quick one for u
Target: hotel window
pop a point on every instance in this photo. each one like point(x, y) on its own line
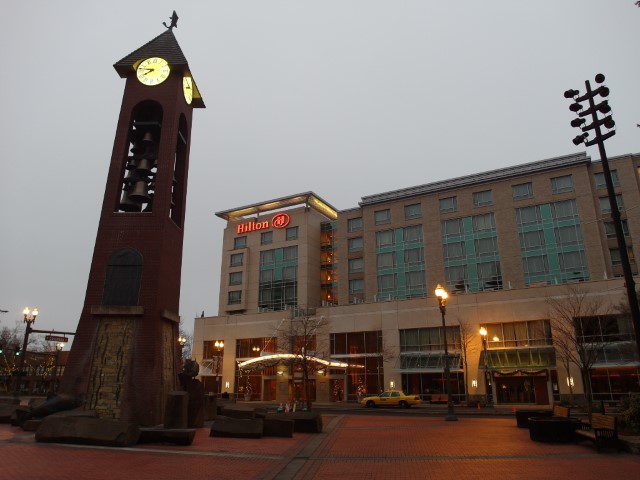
point(235, 278)
point(290, 253)
point(386, 283)
point(235, 297)
point(356, 265)
point(236, 259)
point(484, 222)
point(562, 184)
point(572, 261)
point(291, 233)
point(386, 260)
point(449, 204)
point(483, 198)
point(617, 260)
point(528, 215)
point(522, 190)
point(266, 237)
point(266, 276)
point(452, 227)
point(532, 240)
point(414, 280)
point(564, 210)
point(356, 285)
point(355, 244)
point(427, 339)
point(605, 329)
point(457, 276)
point(489, 275)
point(610, 230)
point(519, 334)
point(267, 257)
point(413, 256)
point(486, 246)
point(354, 224)
point(412, 211)
point(288, 274)
point(240, 242)
point(600, 183)
point(535, 266)
point(454, 251)
point(412, 234)
point(568, 235)
point(605, 205)
point(382, 216)
point(384, 238)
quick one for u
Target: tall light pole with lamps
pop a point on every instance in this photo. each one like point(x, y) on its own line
point(29, 317)
point(219, 346)
point(487, 379)
point(442, 296)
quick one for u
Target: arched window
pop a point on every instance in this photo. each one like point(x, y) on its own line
point(122, 282)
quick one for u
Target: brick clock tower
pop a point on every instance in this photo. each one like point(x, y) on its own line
point(125, 356)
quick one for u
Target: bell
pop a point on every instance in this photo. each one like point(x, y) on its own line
point(131, 164)
point(144, 166)
point(128, 205)
point(140, 192)
point(147, 138)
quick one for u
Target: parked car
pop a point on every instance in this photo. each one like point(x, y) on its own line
point(391, 397)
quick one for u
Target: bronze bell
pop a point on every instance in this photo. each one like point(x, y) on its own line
point(140, 192)
point(128, 205)
point(144, 166)
point(147, 138)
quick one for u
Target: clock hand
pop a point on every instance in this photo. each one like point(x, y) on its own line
point(148, 70)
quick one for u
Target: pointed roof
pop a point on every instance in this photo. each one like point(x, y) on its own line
point(165, 46)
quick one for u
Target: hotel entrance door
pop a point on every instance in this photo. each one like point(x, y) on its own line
point(522, 389)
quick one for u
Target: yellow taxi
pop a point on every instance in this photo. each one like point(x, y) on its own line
point(391, 397)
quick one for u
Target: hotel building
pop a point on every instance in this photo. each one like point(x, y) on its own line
point(501, 242)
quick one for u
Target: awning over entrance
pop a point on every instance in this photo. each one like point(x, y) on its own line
point(271, 360)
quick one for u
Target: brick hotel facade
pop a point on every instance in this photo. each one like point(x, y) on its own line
point(502, 242)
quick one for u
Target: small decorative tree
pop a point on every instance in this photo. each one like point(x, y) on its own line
point(571, 316)
point(303, 335)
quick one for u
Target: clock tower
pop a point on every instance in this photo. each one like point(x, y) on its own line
point(125, 356)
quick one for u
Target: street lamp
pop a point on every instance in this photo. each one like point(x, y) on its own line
point(182, 340)
point(442, 296)
point(29, 317)
point(219, 345)
point(487, 381)
point(55, 374)
point(596, 125)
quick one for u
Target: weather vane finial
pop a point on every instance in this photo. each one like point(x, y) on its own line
point(174, 21)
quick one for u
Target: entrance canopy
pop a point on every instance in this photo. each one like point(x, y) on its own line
point(276, 358)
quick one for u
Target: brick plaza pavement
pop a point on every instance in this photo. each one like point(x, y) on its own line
point(353, 447)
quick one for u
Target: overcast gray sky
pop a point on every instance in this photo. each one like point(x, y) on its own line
point(345, 98)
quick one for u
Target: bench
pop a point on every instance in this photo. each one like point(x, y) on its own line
point(439, 398)
point(603, 431)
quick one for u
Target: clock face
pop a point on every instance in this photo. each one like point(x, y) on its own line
point(153, 71)
point(187, 88)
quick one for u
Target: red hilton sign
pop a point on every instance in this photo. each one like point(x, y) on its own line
point(280, 220)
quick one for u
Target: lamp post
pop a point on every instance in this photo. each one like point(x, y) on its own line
point(29, 317)
point(442, 296)
point(597, 124)
point(54, 372)
point(219, 345)
point(487, 380)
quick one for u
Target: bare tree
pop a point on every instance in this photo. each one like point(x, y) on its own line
point(303, 335)
point(467, 345)
point(572, 316)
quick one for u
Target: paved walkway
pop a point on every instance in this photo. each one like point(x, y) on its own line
point(352, 447)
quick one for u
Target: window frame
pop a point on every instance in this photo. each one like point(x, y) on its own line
point(236, 240)
point(383, 221)
point(482, 203)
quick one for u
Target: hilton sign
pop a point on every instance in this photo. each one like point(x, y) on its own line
point(280, 220)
